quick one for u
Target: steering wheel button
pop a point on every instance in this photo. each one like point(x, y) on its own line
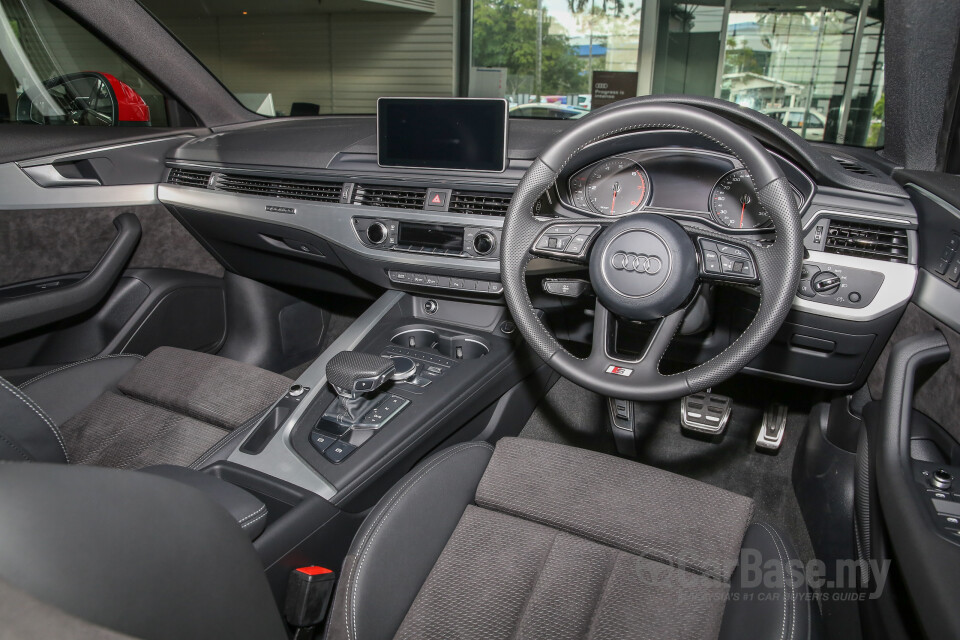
point(711, 262)
point(563, 230)
point(733, 251)
point(576, 246)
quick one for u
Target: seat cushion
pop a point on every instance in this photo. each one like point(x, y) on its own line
point(170, 408)
point(553, 542)
point(64, 392)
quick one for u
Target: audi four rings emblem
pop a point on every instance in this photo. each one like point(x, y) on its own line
point(637, 262)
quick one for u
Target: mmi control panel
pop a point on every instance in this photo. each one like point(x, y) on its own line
point(426, 237)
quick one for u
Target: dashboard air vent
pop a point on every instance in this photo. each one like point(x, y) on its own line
point(292, 189)
point(852, 166)
point(867, 241)
point(479, 203)
point(189, 177)
point(395, 197)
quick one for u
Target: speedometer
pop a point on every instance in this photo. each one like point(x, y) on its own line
point(734, 202)
point(617, 186)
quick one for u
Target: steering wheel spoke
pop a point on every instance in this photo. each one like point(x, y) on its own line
point(568, 240)
point(602, 358)
point(722, 261)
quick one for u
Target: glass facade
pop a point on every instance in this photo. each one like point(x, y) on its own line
point(816, 67)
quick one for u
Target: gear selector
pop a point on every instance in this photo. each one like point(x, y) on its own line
point(356, 377)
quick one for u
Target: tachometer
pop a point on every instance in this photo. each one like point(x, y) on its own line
point(617, 186)
point(733, 202)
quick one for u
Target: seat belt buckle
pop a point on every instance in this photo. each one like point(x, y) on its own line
point(309, 590)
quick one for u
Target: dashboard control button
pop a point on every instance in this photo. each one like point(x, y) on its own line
point(484, 243)
point(954, 242)
point(339, 451)
point(431, 306)
point(432, 281)
point(733, 251)
point(401, 276)
point(941, 479)
point(377, 233)
point(942, 267)
point(297, 390)
point(576, 245)
point(507, 327)
point(496, 287)
point(456, 283)
point(321, 442)
point(443, 281)
point(711, 262)
point(805, 290)
point(808, 271)
point(854, 297)
point(826, 283)
point(418, 278)
point(953, 273)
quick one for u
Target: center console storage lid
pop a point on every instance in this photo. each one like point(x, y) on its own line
point(249, 512)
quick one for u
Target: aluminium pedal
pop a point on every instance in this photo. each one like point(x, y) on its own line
point(705, 413)
point(772, 428)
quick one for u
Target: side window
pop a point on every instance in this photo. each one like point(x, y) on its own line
point(55, 72)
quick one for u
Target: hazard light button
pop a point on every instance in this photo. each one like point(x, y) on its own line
point(437, 199)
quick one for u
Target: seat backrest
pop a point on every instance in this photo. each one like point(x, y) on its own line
point(131, 552)
point(27, 433)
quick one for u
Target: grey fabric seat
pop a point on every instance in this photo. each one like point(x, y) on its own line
point(539, 540)
point(172, 407)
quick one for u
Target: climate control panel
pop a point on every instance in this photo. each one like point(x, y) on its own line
point(427, 237)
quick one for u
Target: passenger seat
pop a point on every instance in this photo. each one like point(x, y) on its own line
point(173, 407)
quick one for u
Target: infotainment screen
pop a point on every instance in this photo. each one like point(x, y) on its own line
point(468, 134)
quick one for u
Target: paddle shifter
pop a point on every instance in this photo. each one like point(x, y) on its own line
point(356, 377)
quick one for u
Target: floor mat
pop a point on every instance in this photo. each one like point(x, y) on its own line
point(575, 416)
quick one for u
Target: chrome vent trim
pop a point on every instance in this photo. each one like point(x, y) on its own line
point(478, 203)
point(189, 178)
point(288, 188)
point(393, 197)
point(863, 240)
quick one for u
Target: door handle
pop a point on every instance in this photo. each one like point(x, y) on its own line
point(47, 175)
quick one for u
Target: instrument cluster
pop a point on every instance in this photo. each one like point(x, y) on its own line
point(695, 182)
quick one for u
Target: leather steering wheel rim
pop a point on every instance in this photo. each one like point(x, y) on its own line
point(778, 264)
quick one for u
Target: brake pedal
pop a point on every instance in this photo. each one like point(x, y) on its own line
point(705, 413)
point(773, 427)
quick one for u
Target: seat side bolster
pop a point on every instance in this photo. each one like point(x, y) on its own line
point(26, 432)
point(65, 392)
point(763, 605)
point(400, 541)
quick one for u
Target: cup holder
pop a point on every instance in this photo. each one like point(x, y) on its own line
point(455, 347)
point(461, 348)
point(424, 339)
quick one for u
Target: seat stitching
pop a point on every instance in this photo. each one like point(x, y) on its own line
point(37, 410)
point(74, 364)
point(793, 595)
point(257, 519)
point(262, 507)
point(13, 445)
point(783, 626)
point(388, 508)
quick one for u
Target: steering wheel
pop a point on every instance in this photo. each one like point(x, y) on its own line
point(647, 267)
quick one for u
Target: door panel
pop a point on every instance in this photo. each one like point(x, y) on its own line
point(37, 243)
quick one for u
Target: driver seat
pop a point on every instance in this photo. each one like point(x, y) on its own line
point(538, 540)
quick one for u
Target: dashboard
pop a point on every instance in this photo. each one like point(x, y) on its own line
point(304, 202)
